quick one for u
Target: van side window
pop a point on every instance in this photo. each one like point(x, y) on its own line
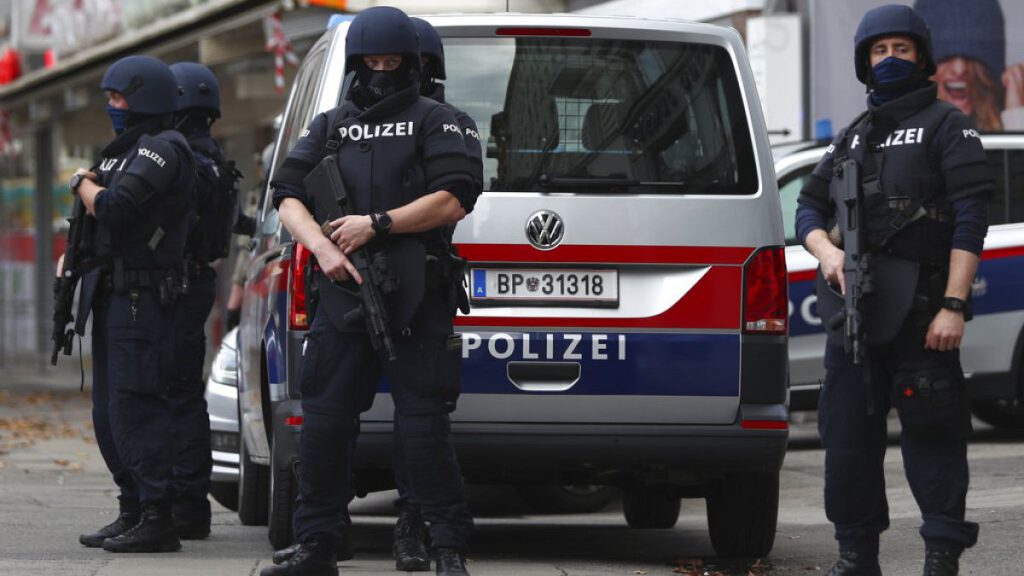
point(789, 190)
point(1014, 177)
point(299, 115)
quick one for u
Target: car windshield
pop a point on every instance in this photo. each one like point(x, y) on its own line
point(603, 116)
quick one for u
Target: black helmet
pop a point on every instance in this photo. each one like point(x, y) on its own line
point(382, 30)
point(146, 83)
point(198, 88)
point(891, 20)
point(430, 45)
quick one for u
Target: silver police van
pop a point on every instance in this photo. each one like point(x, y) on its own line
point(627, 276)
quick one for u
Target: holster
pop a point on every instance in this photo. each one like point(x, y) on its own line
point(447, 272)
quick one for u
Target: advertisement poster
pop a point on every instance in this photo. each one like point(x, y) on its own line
point(978, 48)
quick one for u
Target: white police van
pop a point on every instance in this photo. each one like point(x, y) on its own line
point(628, 280)
point(993, 344)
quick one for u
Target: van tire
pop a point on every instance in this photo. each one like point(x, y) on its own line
point(651, 507)
point(226, 494)
point(253, 487)
point(743, 511)
point(283, 492)
point(1006, 414)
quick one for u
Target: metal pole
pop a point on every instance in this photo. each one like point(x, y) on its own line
point(43, 204)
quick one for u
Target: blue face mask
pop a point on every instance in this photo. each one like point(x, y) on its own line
point(892, 70)
point(118, 118)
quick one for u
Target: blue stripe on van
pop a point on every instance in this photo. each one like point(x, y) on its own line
point(611, 363)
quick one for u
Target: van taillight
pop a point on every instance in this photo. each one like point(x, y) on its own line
point(297, 318)
point(766, 300)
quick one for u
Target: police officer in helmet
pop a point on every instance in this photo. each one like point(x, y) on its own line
point(208, 238)
point(406, 185)
point(140, 195)
point(410, 533)
point(925, 182)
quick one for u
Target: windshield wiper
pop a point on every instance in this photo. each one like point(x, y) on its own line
point(547, 181)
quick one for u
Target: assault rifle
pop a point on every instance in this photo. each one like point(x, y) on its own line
point(857, 267)
point(324, 182)
point(64, 285)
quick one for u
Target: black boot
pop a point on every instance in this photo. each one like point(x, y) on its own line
point(312, 558)
point(191, 529)
point(450, 562)
point(153, 533)
point(852, 563)
point(410, 541)
point(125, 520)
point(941, 563)
point(343, 550)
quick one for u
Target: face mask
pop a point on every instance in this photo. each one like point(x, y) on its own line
point(380, 84)
point(118, 118)
point(892, 70)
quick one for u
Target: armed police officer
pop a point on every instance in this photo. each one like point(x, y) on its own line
point(923, 186)
point(410, 533)
point(140, 196)
point(208, 240)
point(407, 178)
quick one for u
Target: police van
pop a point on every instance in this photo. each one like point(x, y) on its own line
point(627, 277)
point(993, 343)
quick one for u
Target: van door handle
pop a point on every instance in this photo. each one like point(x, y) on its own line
point(543, 376)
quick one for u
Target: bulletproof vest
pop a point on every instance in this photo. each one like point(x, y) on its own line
point(904, 192)
point(216, 202)
point(155, 240)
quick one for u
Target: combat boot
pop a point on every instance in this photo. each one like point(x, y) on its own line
point(124, 522)
point(450, 562)
point(343, 550)
point(410, 541)
point(153, 533)
point(312, 558)
point(191, 529)
point(853, 563)
point(941, 563)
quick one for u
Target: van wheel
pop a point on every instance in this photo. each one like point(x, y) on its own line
point(651, 507)
point(568, 498)
point(1000, 413)
point(742, 514)
point(283, 492)
point(253, 487)
point(226, 494)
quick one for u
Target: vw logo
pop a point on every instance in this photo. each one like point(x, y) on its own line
point(544, 229)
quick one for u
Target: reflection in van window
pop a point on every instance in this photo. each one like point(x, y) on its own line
point(590, 115)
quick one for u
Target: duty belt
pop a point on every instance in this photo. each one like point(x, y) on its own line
point(167, 283)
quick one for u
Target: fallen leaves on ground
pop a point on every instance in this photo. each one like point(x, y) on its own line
point(697, 567)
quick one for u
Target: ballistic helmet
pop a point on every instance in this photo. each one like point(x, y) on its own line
point(382, 30)
point(197, 88)
point(146, 83)
point(891, 20)
point(430, 45)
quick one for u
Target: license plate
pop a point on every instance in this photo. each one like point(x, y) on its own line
point(545, 286)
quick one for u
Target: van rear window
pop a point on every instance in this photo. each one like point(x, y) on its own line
point(592, 116)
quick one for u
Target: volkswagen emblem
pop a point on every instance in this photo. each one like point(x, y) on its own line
point(544, 229)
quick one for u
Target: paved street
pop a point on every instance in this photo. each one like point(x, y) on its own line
point(53, 485)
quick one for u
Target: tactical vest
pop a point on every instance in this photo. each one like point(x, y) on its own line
point(156, 240)
point(904, 192)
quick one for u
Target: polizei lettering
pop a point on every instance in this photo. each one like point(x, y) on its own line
point(559, 346)
point(901, 137)
point(357, 132)
point(146, 152)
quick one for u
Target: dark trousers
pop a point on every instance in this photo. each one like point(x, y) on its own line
point(193, 463)
point(338, 380)
point(927, 390)
point(132, 359)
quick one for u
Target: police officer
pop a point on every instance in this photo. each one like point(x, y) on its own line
point(410, 533)
point(140, 198)
point(407, 184)
point(926, 181)
point(208, 237)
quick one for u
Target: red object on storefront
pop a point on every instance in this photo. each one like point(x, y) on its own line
point(10, 66)
point(49, 58)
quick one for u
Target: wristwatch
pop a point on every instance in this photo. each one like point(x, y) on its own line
point(381, 223)
point(954, 304)
point(76, 179)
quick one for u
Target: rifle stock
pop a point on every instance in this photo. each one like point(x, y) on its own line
point(325, 183)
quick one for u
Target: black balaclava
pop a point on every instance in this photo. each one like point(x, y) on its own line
point(376, 85)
